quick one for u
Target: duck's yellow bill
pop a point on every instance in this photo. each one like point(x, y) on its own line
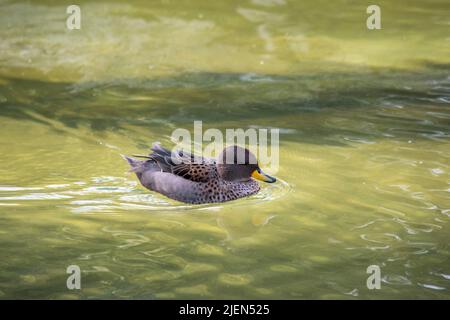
point(259, 175)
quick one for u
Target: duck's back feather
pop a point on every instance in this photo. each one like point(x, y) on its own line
point(183, 164)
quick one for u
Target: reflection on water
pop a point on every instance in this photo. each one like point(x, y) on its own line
point(364, 155)
point(114, 194)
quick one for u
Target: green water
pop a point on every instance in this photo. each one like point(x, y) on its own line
point(364, 148)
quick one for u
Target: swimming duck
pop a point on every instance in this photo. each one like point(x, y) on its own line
point(192, 179)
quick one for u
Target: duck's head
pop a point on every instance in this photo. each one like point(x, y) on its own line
point(239, 164)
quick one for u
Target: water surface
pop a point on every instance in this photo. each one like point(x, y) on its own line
point(364, 148)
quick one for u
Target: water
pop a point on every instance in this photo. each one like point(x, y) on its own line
point(364, 149)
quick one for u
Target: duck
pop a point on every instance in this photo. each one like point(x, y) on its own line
point(193, 179)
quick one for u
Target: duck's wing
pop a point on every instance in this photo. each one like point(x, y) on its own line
point(184, 164)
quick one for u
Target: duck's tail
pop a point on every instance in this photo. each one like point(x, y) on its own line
point(136, 165)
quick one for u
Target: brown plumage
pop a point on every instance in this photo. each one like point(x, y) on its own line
point(188, 178)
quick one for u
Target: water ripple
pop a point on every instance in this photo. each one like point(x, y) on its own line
point(112, 195)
